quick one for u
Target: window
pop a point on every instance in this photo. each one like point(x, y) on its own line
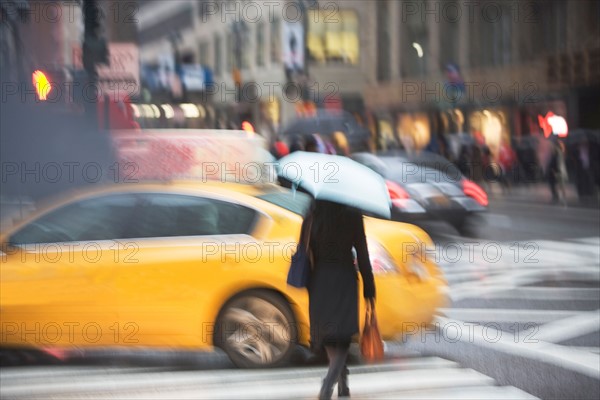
point(231, 56)
point(218, 55)
point(260, 45)
point(333, 37)
point(494, 40)
point(187, 57)
point(384, 72)
point(168, 215)
point(449, 36)
point(414, 45)
point(275, 41)
point(298, 203)
point(103, 218)
point(555, 29)
point(204, 53)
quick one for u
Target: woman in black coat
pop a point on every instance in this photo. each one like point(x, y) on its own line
point(333, 286)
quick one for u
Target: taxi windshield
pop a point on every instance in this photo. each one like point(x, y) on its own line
point(297, 202)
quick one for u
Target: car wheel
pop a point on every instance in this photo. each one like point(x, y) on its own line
point(257, 330)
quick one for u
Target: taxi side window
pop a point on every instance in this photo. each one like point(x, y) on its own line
point(167, 215)
point(101, 218)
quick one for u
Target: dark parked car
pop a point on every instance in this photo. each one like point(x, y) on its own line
point(428, 187)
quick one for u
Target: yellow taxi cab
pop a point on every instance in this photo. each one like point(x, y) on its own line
point(188, 265)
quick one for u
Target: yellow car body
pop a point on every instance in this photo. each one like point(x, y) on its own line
point(170, 291)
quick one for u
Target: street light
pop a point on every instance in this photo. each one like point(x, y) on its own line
point(419, 49)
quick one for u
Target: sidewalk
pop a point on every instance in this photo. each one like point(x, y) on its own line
point(536, 193)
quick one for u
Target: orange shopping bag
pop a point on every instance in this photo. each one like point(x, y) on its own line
point(371, 345)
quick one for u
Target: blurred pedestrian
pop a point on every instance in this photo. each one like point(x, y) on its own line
point(487, 171)
point(340, 142)
point(506, 159)
point(562, 177)
point(312, 144)
point(553, 172)
point(279, 149)
point(333, 287)
point(297, 144)
point(586, 170)
point(316, 144)
point(465, 163)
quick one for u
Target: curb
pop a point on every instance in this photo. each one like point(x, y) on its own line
point(545, 203)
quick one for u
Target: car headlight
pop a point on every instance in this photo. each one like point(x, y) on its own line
point(415, 265)
point(381, 260)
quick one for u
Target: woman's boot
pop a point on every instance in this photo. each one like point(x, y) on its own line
point(343, 388)
point(326, 390)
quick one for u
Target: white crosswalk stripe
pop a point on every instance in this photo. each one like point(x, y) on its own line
point(479, 268)
point(414, 377)
point(552, 274)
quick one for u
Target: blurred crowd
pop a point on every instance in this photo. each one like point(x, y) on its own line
point(527, 160)
point(336, 144)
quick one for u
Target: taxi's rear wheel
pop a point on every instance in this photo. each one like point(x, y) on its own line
point(257, 330)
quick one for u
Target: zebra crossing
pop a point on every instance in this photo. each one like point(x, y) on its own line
point(405, 378)
point(516, 265)
point(545, 308)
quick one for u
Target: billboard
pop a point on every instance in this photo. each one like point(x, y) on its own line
point(293, 46)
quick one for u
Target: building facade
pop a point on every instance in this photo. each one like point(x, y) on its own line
point(258, 48)
point(410, 70)
point(484, 69)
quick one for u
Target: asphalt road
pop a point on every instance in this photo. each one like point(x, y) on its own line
point(511, 220)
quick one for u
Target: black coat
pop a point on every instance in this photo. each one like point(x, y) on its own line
point(333, 287)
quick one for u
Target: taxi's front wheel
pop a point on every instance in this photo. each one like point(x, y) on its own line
point(256, 329)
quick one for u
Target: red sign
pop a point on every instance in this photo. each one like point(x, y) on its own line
point(552, 123)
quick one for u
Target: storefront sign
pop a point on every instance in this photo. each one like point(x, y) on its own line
point(192, 77)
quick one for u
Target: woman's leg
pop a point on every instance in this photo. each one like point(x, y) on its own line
point(337, 362)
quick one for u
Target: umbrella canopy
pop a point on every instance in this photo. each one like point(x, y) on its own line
point(337, 179)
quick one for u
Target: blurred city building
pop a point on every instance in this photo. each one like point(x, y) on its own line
point(259, 49)
point(413, 71)
point(482, 70)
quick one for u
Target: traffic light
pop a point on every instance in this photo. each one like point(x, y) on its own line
point(42, 84)
point(52, 85)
